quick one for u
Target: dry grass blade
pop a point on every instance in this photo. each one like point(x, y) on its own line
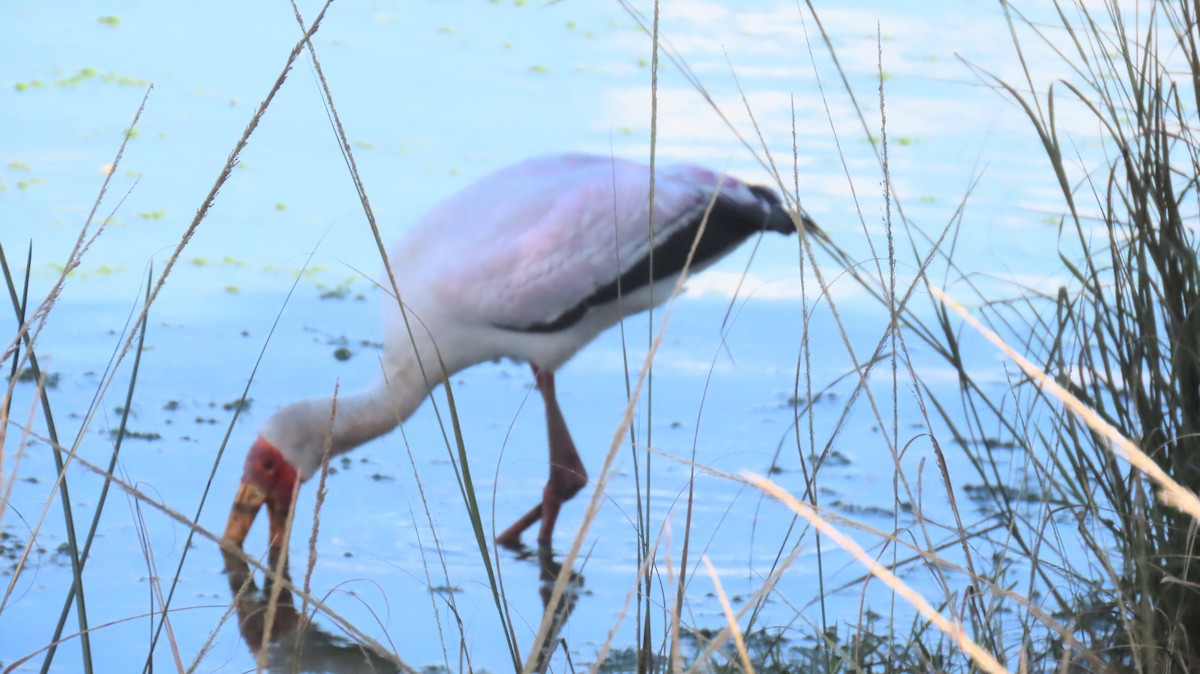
point(16, 664)
point(436, 371)
point(59, 487)
point(986, 661)
point(606, 646)
point(156, 593)
point(6, 487)
point(282, 561)
point(730, 618)
point(323, 476)
point(6, 401)
point(643, 501)
point(112, 465)
point(243, 588)
point(201, 214)
point(767, 586)
point(1171, 492)
point(618, 440)
point(29, 336)
point(25, 329)
point(281, 571)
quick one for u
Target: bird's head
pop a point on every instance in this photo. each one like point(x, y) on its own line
point(268, 479)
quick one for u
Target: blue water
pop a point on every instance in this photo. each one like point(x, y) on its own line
point(432, 95)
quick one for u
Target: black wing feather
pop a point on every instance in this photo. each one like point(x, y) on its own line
point(729, 224)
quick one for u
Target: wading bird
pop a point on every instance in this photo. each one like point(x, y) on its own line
point(531, 263)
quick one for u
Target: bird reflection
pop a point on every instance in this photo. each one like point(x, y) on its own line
point(295, 643)
point(548, 572)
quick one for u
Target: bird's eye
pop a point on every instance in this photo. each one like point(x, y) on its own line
point(269, 465)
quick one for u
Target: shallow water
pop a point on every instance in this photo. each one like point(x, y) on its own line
point(434, 94)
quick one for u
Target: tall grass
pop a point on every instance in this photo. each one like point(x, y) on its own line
point(1107, 555)
point(1109, 561)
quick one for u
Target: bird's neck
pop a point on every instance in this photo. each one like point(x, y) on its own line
point(366, 415)
point(301, 430)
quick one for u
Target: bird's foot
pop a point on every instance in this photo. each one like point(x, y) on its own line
point(511, 537)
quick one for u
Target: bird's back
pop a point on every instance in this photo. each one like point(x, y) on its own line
point(531, 247)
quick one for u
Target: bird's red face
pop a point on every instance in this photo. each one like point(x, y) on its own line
point(270, 480)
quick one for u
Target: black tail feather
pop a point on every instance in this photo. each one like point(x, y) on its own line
point(779, 219)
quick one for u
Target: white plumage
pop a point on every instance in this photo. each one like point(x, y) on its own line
point(531, 262)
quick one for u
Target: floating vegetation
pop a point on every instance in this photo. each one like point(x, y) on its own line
point(311, 271)
point(12, 549)
point(134, 435)
point(84, 75)
point(831, 458)
point(995, 443)
point(859, 510)
point(27, 375)
point(110, 21)
point(985, 494)
point(339, 292)
point(241, 404)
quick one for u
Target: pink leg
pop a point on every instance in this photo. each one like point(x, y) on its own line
point(567, 474)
